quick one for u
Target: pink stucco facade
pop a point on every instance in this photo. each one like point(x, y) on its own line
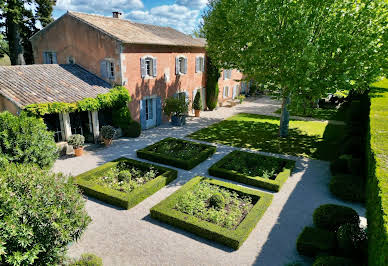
point(88, 47)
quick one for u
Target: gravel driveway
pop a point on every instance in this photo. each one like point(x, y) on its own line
point(131, 237)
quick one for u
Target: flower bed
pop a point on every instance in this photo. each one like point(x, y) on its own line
point(253, 169)
point(124, 182)
point(177, 152)
point(216, 210)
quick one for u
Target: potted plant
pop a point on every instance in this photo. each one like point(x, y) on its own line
point(77, 141)
point(241, 98)
point(108, 133)
point(197, 104)
point(176, 107)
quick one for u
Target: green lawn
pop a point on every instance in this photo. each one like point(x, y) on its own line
point(314, 139)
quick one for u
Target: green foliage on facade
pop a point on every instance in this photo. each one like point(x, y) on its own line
point(115, 98)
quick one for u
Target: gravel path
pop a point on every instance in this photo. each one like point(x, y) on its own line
point(131, 237)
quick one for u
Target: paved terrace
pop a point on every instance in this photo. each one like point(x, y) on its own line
point(131, 237)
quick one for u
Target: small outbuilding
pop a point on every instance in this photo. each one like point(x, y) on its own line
point(23, 86)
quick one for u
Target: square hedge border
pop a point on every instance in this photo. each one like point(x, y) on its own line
point(273, 185)
point(147, 154)
point(122, 199)
point(165, 212)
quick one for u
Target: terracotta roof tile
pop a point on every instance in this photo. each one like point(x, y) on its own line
point(29, 84)
point(137, 33)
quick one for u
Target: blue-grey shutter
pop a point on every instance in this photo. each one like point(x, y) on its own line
point(45, 58)
point(177, 65)
point(143, 114)
point(158, 111)
point(203, 64)
point(142, 67)
point(185, 66)
point(103, 69)
point(187, 97)
point(224, 74)
point(197, 66)
point(55, 58)
point(154, 67)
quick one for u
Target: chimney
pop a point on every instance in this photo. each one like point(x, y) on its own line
point(117, 14)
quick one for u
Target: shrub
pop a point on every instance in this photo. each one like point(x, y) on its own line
point(124, 175)
point(331, 216)
point(133, 130)
point(352, 240)
point(76, 140)
point(25, 139)
point(212, 90)
point(108, 132)
point(121, 117)
point(197, 103)
point(314, 241)
point(353, 146)
point(339, 166)
point(44, 214)
point(348, 187)
point(87, 259)
point(177, 106)
point(217, 201)
point(241, 98)
point(356, 166)
point(333, 261)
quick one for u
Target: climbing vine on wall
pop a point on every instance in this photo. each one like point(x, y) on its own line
point(115, 98)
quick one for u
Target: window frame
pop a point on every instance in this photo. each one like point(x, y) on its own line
point(185, 64)
point(151, 59)
point(50, 55)
point(226, 89)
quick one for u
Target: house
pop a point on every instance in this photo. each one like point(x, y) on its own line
point(22, 86)
point(152, 62)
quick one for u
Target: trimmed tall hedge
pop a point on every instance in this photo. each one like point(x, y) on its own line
point(377, 183)
point(164, 211)
point(148, 154)
point(274, 185)
point(122, 199)
point(315, 241)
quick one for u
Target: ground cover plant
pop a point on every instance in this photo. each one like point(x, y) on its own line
point(41, 213)
point(216, 210)
point(253, 169)
point(177, 152)
point(314, 139)
point(124, 182)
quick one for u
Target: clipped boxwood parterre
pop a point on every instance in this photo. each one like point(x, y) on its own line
point(122, 199)
point(331, 216)
point(218, 170)
point(205, 152)
point(333, 261)
point(164, 211)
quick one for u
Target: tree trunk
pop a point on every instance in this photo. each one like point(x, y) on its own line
point(284, 118)
point(13, 36)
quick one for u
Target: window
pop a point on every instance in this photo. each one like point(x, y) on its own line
point(180, 65)
point(226, 92)
point(107, 69)
point(49, 58)
point(227, 73)
point(199, 64)
point(70, 60)
point(148, 67)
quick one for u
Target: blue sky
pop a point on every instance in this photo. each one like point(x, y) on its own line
point(183, 15)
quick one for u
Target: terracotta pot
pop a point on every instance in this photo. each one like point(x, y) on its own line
point(79, 151)
point(108, 142)
point(197, 112)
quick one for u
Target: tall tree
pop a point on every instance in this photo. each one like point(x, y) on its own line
point(300, 47)
point(3, 46)
point(19, 22)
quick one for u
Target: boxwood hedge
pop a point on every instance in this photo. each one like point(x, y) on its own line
point(274, 185)
point(122, 199)
point(148, 154)
point(331, 216)
point(333, 261)
point(377, 184)
point(315, 241)
point(164, 211)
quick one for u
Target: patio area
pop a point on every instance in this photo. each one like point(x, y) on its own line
point(132, 237)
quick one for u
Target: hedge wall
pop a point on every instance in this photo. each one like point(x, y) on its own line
point(164, 211)
point(121, 199)
point(377, 183)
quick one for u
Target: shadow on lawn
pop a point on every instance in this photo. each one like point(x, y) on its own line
point(263, 136)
